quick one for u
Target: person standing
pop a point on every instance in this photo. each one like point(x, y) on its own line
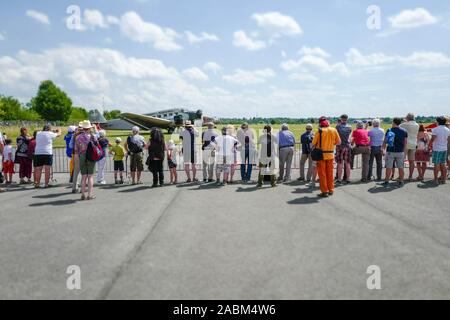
point(306, 140)
point(188, 136)
point(225, 153)
point(422, 152)
point(2, 146)
point(118, 153)
point(134, 146)
point(246, 138)
point(101, 164)
point(69, 150)
point(440, 137)
point(208, 156)
point(87, 167)
point(172, 161)
point(268, 157)
point(343, 150)
point(395, 143)
point(156, 155)
point(360, 141)
point(25, 163)
point(412, 127)
point(8, 161)
point(286, 141)
point(43, 155)
point(326, 139)
point(376, 136)
point(76, 160)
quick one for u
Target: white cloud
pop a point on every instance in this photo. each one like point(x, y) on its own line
point(38, 16)
point(316, 51)
point(94, 19)
point(412, 19)
point(241, 40)
point(133, 27)
point(277, 24)
point(246, 77)
point(303, 77)
point(89, 80)
point(310, 62)
point(112, 20)
point(195, 74)
point(202, 37)
point(212, 67)
point(423, 59)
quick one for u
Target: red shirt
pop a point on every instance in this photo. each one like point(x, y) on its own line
point(361, 137)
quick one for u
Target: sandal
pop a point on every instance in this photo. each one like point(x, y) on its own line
point(91, 198)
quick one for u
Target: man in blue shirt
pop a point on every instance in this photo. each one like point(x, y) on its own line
point(286, 140)
point(395, 142)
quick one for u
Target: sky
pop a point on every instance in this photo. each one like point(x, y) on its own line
point(247, 58)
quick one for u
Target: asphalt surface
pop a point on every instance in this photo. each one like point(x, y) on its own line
point(197, 241)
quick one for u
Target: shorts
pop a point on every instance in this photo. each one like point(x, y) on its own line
point(439, 157)
point(225, 168)
point(41, 160)
point(8, 167)
point(118, 165)
point(86, 167)
point(397, 157)
point(171, 164)
point(136, 162)
point(411, 155)
point(343, 154)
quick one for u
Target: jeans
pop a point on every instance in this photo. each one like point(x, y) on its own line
point(286, 156)
point(375, 154)
point(156, 168)
point(303, 159)
point(246, 167)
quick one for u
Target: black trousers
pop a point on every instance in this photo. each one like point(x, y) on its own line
point(156, 168)
point(376, 154)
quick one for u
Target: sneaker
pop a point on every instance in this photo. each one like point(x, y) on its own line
point(401, 184)
point(323, 195)
point(301, 179)
point(385, 183)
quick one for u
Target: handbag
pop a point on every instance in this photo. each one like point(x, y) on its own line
point(317, 153)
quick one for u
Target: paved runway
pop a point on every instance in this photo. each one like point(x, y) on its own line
point(235, 242)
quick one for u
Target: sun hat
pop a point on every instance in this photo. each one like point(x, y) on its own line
point(86, 124)
point(72, 129)
point(118, 140)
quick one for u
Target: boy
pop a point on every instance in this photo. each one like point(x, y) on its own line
point(8, 161)
point(119, 153)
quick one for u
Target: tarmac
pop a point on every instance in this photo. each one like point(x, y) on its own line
point(200, 241)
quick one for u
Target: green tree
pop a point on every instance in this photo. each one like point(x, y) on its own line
point(78, 114)
point(10, 108)
point(51, 103)
point(113, 114)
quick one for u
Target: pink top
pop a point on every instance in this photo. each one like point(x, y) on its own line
point(361, 137)
point(81, 143)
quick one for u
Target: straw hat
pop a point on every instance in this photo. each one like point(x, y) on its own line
point(86, 124)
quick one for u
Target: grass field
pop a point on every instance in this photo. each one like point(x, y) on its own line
point(14, 131)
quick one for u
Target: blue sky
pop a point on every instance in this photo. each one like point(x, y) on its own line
point(232, 58)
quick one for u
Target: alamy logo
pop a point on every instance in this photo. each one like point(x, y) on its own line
point(374, 280)
point(74, 280)
point(374, 20)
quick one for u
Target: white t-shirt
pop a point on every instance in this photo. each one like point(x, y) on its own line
point(412, 128)
point(440, 143)
point(7, 150)
point(44, 142)
point(225, 145)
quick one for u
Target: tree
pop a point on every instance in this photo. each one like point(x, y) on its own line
point(10, 108)
point(78, 114)
point(51, 103)
point(113, 114)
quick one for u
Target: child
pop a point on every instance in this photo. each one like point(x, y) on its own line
point(119, 153)
point(8, 161)
point(171, 154)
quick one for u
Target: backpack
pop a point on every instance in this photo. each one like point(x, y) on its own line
point(390, 138)
point(132, 146)
point(94, 152)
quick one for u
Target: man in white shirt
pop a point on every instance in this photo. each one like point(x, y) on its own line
point(43, 156)
point(412, 127)
point(190, 154)
point(208, 156)
point(439, 143)
point(224, 146)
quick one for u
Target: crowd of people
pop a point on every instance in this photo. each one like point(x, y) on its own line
point(226, 151)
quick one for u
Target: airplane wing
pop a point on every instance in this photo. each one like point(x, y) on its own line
point(146, 122)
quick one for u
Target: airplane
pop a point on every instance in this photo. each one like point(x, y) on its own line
point(165, 119)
